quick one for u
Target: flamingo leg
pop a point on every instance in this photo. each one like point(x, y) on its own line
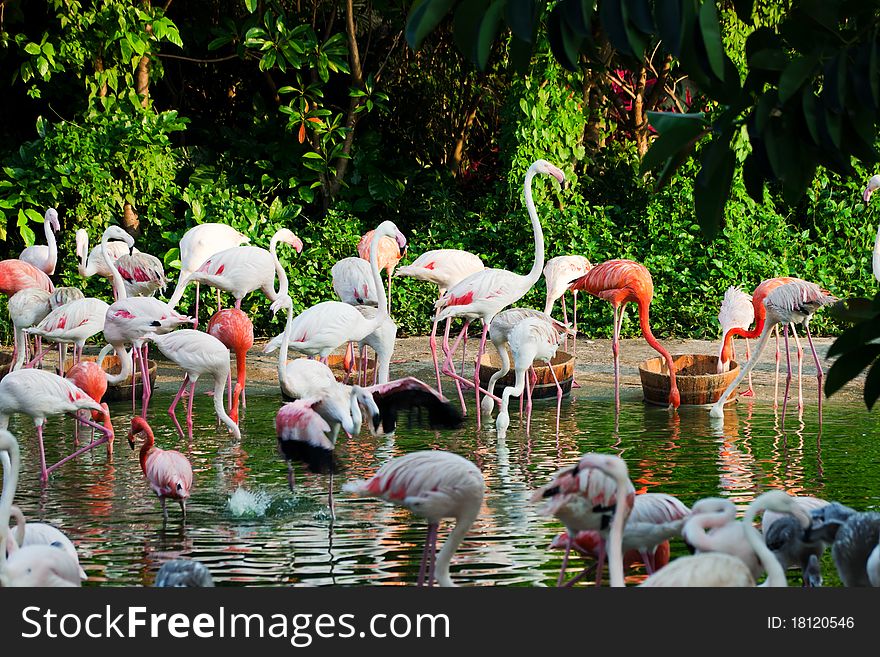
point(787, 376)
point(44, 473)
point(648, 560)
point(464, 346)
point(776, 388)
point(330, 499)
point(237, 301)
point(750, 392)
point(164, 511)
point(615, 352)
point(586, 572)
point(433, 342)
point(189, 409)
point(448, 367)
point(174, 403)
point(819, 373)
point(430, 540)
point(136, 357)
point(446, 358)
point(196, 323)
point(229, 389)
point(800, 362)
point(530, 384)
point(600, 562)
point(574, 303)
point(145, 383)
point(480, 353)
point(291, 476)
point(433, 555)
point(558, 397)
point(104, 439)
point(564, 567)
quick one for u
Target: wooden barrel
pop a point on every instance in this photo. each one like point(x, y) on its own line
point(562, 364)
point(695, 375)
point(122, 391)
point(5, 363)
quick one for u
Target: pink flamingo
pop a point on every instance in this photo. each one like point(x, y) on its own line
point(389, 252)
point(40, 533)
point(873, 184)
point(736, 311)
point(560, 272)
point(90, 377)
point(197, 354)
point(141, 273)
point(33, 565)
point(322, 328)
point(790, 303)
point(581, 497)
point(44, 256)
point(168, 471)
point(590, 543)
point(26, 308)
point(16, 275)
point(621, 282)
point(433, 485)
point(197, 245)
point(486, 293)
point(74, 322)
point(720, 569)
point(236, 331)
point(39, 393)
point(243, 269)
point(735, 306)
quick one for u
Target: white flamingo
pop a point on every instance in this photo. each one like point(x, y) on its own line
point(41, 533)
point(433, 485)
point(197, 245)
point(26, 308)
point(44, 256)
point(353, 282)
point(484, 294)
point(92, 262)
point(559, 273)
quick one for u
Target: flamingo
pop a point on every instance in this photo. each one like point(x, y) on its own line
point(197, 354)
point(725, 534)
point(236, 331)
point(855, 551)
point(736, 305)
point(786, 537)
point(16, 275)
point(26, 308)
point(433, 485)
point(197, 245)
point(560, 272)
point(168, 471)
point(39, 393)
point(353, 282)
point(655, 518)
point(33, 565)
point(736, 311)
point(183, 573)
point(74, 322)
point(92, 262)
point(620, 282)
point(873, 184)
point(531, 339)
point(486, 293)
point(242, 269)
point(590, 543)
point(719, 569)
point(789, 303)
point(40, 533)
point(581, 498)
point(141, 273)
point(444, 268)
point(44, 257)
point(389, 252)
point(382, 341)
point(321, 328)
point(499, 333)
point(64, 295)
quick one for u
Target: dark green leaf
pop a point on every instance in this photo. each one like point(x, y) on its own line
point(770, 59)
point(711, 31)
point(520, 16)
point(795, 74)
point(848, 366)
point(744, 10)
point(578, 14)
point(423, 17)
point(250, 5)
point(810, 108)
point(520, 55)
point(712, 186)
point(752, 177)
point(466, 26)
point(872, 385)
point(679, 137)
point(853, 310)
point(667, 16)
point(488, 31)
point(638, 13)
point(662, 121)
point(564, 44)
point(611, 16)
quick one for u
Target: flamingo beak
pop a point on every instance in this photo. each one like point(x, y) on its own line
point(557, 173)
point(866, 195)
point(401, 241)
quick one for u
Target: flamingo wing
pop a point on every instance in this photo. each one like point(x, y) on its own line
point(302, 436)
point(417, 399)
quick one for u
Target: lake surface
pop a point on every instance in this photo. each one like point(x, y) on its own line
point(109, 511)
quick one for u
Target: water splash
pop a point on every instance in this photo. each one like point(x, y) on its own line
point(244, 503)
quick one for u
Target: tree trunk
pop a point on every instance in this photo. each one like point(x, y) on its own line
point(99, 68)
point(130, 220)
point(639, 116)
point(461, 139)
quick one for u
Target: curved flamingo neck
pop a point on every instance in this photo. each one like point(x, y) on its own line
point(53, 247)
point(615, 537)
point(456, 536)
point(282, 351)
point(645, 324)
point(82, 252)
point(775, 572)
point(148, 446)
point(382, 315)
point(240, 376)
point(538, 265)
point(10, 457)
point(283, 283)
point(125, 365)
point(118, 284)
point(219, 386)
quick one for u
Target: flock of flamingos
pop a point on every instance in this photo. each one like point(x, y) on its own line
point(594, 498)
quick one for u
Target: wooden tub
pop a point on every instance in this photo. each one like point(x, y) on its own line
point(562, 364)
point(122, 391)
point(695, 375)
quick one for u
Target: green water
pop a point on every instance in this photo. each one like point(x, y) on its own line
point(113, 517)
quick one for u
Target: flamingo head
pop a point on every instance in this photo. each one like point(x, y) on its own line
point(82, 242)
point(613, 466)
point(873, 184)
point(543, 166)
point(138, 426)
point(52, 219)
point(285, 235)
point(117, 233)
point(282, 302)
point(391, 230)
